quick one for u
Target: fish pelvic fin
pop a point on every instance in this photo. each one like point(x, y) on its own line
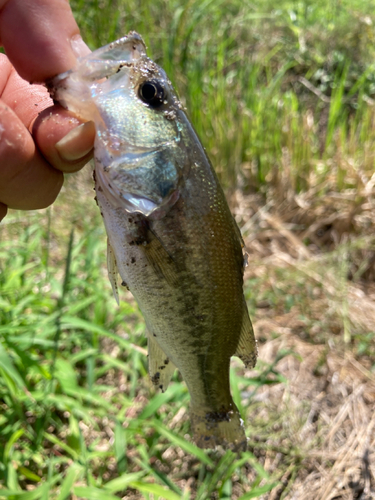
point(112, 271)
point(247, 349)
point(214, 428)
point(160, 367)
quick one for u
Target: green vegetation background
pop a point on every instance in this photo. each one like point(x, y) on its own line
point(260, 81)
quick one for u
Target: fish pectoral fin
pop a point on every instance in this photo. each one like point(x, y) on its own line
point(247, 349)
point(161, 261)
point(112, 270)
point(160, 367)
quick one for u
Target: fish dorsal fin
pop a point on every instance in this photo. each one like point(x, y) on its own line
point(160, 367)
point(247, 349)
point(112, 270)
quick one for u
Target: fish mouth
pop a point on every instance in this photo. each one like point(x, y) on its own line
point(93, 69)
point(105, 61)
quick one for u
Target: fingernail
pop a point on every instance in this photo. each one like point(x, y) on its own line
point(79, 47)
point(77, 143)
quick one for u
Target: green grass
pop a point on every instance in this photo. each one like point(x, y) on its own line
point(242, 67)
point(74, 390)
point(281, 96)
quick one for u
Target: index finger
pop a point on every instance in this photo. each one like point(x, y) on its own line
point(37, 36)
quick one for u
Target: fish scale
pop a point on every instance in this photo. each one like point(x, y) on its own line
point(171, 235)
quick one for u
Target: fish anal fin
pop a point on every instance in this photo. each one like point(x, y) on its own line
point(112, 270)
point(247, 349)
point(160, 367)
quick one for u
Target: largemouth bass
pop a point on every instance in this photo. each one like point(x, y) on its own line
point(171, 235)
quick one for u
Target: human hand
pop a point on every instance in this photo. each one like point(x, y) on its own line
point(41, 40)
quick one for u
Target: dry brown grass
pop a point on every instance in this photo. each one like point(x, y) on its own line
point(311, 281)
point(325, 445)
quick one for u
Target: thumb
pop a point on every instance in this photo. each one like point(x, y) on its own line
point(40, 37)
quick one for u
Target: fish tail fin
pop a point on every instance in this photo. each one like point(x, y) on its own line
point(213, 428)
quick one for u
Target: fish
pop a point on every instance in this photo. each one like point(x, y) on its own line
point(171, 235)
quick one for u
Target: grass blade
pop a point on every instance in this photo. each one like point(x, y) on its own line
point(183, 444)
point(91, 493)
point(70, 478)
point(155, 489)
point(122, 482)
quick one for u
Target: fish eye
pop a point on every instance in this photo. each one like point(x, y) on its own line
point(152, 93)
